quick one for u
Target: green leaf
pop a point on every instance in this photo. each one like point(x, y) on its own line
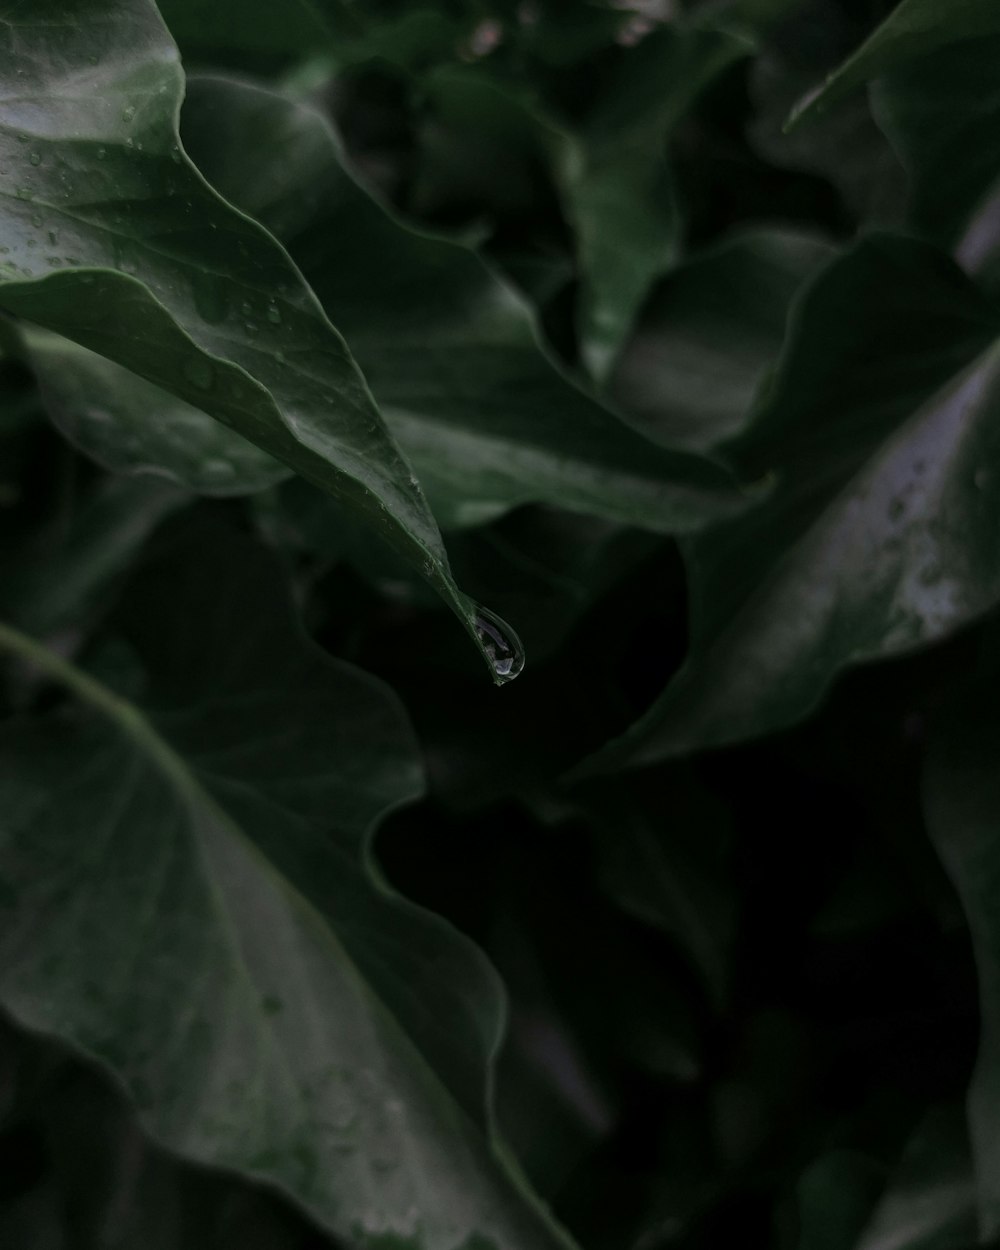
point(63, 576)
point(628, 233)
point(133, 426)
point(843, 145)
point(450, 351)
point(709, 335)
point(671, 877)
point(115, 241)
point(252, 26)
point(941, 113)
point(880, 428)
point(913, 29)
point(104, 1182)
point(929, 1203)
point(835, 1196)
point(617, 182)
point(188, 897)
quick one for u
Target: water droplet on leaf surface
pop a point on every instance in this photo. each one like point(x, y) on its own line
point(500, 643)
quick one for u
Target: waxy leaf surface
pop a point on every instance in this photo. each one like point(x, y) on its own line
point(274, 1009)
point(114, 240)
point(450, 351)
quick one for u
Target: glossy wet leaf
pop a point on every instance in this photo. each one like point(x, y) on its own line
point(914, 28)
point(115, 241)
point(274, 1010)
point(450, 351)
point(879, 428)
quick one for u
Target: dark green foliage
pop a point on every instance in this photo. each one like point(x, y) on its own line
point(667, 333)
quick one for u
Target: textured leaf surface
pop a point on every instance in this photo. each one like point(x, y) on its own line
point(880, 535)
point(114, 240)
point(450, 351)
point(273, 1009)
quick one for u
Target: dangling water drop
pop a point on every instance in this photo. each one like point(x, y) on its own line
point(500, 643)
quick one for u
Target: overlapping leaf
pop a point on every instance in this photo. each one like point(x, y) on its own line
point(449, 350)
point(133, 426)
point(113, 239)
point(880, 535)
point(914, 28)
point(941, 113)
point(186, 897)
point(709, 335)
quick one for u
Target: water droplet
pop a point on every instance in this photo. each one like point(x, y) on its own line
point(175, 154)
point(251, 328)
point(101, 153)
point(128, 113)
point(274, 314)
point(24, 193)
point(53, 236)
point(36, 220)
point(246, 308)
point(200, 372)
point(35, 158)
point(501, 644)
point(130, 142)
